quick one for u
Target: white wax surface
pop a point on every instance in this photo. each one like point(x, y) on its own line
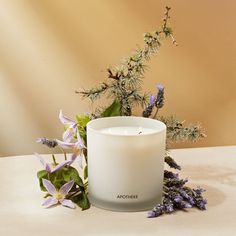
point(127, 130)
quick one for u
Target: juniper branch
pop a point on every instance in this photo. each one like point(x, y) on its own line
point(94, 93)
point(177, 131)
point(125, 79)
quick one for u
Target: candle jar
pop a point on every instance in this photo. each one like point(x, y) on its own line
point(125, 162)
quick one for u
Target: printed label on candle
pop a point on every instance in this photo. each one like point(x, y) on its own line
point(126, 196)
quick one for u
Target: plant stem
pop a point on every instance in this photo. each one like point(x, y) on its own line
point(154, 117)
point(54, 159)
point(63, 153)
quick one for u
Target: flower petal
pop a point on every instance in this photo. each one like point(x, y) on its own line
point(40, 159)
point(48, 168)
point(50, 201)
point(49, 186)
point(152, 100)
point(81, 160)
point(39, 140)
point(61, 165)
point(79, 143)
point(65, 120)
point(66, 188)
point(160, 87)
point(67, 203)
point(45, 165)
point(74, 156)
point(65, 145)
point(69, 133)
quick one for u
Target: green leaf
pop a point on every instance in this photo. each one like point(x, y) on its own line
point(74, 174)
point(112, 110)
point(82, 201)
point(86, 172)
point(42, 174)
point(82, 121)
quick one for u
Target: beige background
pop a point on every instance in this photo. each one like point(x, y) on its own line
point(49, 48)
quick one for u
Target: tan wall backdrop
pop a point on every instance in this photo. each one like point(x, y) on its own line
point(49, 48)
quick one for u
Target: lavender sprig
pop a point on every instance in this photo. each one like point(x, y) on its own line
point(177, 196)
point(148, 110)
point(172, 163)
point(51, 143)
point(159, 103)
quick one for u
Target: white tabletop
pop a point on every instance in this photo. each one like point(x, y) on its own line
point(21, 212)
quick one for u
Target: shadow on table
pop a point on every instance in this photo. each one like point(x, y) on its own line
point(219, 174)
point(215, 174)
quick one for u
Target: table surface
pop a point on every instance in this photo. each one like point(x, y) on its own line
point(213, 168)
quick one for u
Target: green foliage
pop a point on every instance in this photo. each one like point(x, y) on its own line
point(42, 174)
point(81, 200)
point(86, 172)
point(72, 173)
point(124, 80)
point(177, 131)
point(112, 110)
point(82, 122)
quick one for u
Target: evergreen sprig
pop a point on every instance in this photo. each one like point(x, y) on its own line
point(178, 132)
point(124, 80)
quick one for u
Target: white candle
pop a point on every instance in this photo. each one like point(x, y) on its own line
point(125, 162)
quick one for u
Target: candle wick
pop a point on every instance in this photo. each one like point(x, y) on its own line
point(140, 130)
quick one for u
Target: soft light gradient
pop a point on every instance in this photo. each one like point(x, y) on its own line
point(49, 48)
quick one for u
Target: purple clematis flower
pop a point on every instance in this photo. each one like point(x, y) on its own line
point(77, 145)
point(52, 168)
point(70, 132)
point(58, 196)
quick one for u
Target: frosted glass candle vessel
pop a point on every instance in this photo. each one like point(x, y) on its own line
point(125, 162)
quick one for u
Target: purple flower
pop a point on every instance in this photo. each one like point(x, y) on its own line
point(183, 205)
point(189, 198)
point(169, 208)
point(151, 214)
point(170, 175)
point(75, 146)
point(152, 100)
point(177, 198)
point(69, 134)
point(201, 203)
point(45, 141)
point(65, 120)
point(58, 196)
point(159, 103)
point(199, 190)
point(156, 211)
point(148, 110)
point(71, 127)
point(81, 159)
point(53, 168)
